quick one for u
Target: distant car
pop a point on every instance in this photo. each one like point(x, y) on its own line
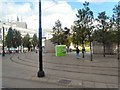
point(6, 51)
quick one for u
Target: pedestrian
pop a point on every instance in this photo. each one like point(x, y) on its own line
point(83, 50)
point(67, 49)
point(77, 52)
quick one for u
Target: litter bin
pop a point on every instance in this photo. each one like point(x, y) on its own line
point(60, 50)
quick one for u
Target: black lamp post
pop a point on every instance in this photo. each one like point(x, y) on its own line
point(40, 72)
point(3, 53)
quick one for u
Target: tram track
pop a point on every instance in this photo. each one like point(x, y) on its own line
point(67, 74)
point(75, 65)
point(21, 61)
point(94, 67)
point(67, 64)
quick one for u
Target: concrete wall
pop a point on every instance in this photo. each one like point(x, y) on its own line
point(49, 47)
point(97, 48)
point(109, 49)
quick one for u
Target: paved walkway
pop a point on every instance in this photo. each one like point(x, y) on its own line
point(67, 70)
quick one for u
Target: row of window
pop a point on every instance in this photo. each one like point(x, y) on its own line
point(26, 32)
point(4, 29)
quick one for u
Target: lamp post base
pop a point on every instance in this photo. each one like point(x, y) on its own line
point(3, 54)
point(41, 74)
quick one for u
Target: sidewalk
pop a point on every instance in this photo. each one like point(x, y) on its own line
point(108, 64)
point(71, 72)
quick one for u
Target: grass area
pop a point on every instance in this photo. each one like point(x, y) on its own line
point(87, 49)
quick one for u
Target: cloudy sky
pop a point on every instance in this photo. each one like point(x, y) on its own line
point(52, 10)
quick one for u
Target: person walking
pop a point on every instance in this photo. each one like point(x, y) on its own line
point(77, 52)
point(83, 51)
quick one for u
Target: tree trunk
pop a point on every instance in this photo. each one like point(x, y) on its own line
point(91, 51)
point(83, 51)
point(103, 49)
point(34, 48)
point(118, 49)
point(9, 50)
point(58, 41)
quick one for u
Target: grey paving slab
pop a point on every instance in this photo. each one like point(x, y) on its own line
point(88, 84)
point(82, 73)
point(100, 85)
point(78, 83)
point(112, 86)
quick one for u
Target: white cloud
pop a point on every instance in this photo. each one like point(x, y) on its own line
point(51, 12)
point(61, 11)
point(25, 8)
point(11, 9)
point(32, 22)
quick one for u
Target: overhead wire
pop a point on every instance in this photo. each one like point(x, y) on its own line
point(55, 3)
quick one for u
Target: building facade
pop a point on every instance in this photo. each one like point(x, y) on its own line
point(19, 26)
